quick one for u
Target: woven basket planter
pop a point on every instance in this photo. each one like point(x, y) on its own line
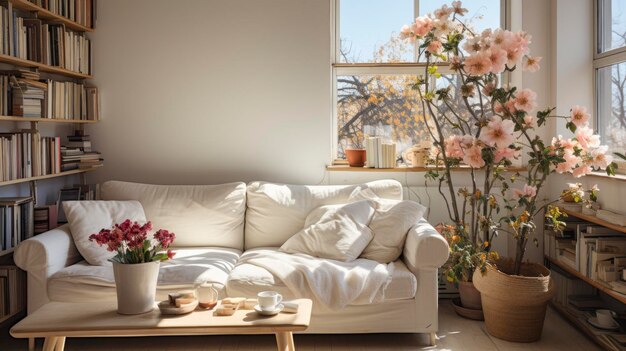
point(515, 305)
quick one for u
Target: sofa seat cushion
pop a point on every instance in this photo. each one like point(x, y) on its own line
point(200, 215)
point(190, 266)
point(247, 280)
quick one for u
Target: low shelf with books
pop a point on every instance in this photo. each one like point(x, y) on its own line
point(45, 120)
point(588, 253)
point(595, 283)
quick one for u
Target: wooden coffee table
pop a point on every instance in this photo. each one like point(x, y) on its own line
point(56, 321)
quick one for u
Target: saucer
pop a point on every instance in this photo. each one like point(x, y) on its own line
point(276, 311)
point(594, 321)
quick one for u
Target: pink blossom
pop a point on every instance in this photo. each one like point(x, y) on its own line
point(478, 64)
point(525, 100)
point(489, 88)
point(599, 158)
point(422, 26)
point(406, 33)
point(586, 138)
point(579, 116)
point(472, 45)
point(498, 132)
point(581, 171)
point(473, 157)
point(505, 153)
point(443, 27)
point(453, 146)
point(531, 64)
point(570, 162)
point(529, 191)
point(510, 106)
point(443, 12)
point(498, 107)
point(529, 122)
point(458, 8)
point(498, 58)
point(434, 47)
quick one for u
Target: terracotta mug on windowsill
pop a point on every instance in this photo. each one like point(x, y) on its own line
point(356, 157)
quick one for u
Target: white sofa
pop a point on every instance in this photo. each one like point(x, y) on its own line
point(215, 226)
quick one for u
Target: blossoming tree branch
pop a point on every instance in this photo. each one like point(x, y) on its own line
point(496, 126)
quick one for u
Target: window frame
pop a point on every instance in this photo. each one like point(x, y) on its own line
point(416, 68)
point(602, 60)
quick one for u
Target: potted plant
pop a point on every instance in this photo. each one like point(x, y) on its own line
point(476, 121)
point(136, 262)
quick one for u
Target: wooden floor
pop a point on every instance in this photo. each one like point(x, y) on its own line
point(455, 334)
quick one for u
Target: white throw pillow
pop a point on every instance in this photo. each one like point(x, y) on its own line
point(89, 217)
point(337, 232)
point(390, 224)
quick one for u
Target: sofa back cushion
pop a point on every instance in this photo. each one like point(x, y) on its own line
point(200, 215)
point(278, 211)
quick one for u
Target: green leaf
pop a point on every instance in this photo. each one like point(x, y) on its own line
point(622, 156)
point(610, 169)
point(571, 126)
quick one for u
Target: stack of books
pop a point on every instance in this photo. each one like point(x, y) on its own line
point(379, 154)
point(16, 221)
point(77, 154)
point(28, 97)
point(49, 43)
point(80, 11)
point(44, 218)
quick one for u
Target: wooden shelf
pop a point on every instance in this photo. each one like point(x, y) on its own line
point(49, 120)
point(595, 220)
point(48, 176)
point(42, 67)
point(581, 326)
point(344, 168)
point(50, 16)
point(597, 284)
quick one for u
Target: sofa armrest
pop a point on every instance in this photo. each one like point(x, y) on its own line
point(41, 256)
point(50, 251)
point(425, 247)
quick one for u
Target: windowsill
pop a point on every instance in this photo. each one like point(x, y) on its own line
point(619, 177)
point(346, 168)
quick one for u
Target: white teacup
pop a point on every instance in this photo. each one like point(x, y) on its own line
point(269, 300)
point(606, 318)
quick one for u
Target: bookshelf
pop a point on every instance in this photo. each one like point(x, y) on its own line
point(570, 312)
point(36, 48)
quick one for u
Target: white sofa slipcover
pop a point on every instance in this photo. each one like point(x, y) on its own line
point(209, 223)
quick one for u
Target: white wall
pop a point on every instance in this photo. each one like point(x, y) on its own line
point(222, 90)
point(209, 91)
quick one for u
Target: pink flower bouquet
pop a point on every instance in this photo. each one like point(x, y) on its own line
point(130, 241)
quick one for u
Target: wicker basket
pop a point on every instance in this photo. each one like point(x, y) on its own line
point(515, 306)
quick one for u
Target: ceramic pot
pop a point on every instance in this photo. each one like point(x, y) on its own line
point(356, 157)
point(470, 296)
point(515, 305)
point(136, 286)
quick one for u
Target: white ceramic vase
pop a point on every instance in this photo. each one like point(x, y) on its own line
point(136, 286)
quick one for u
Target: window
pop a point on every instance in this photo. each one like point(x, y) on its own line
point(610, 68)
point(373, 70)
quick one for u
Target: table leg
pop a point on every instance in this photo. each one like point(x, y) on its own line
point(284, 341)
point(60, 344)
point(31, 344)
point(50, 343)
